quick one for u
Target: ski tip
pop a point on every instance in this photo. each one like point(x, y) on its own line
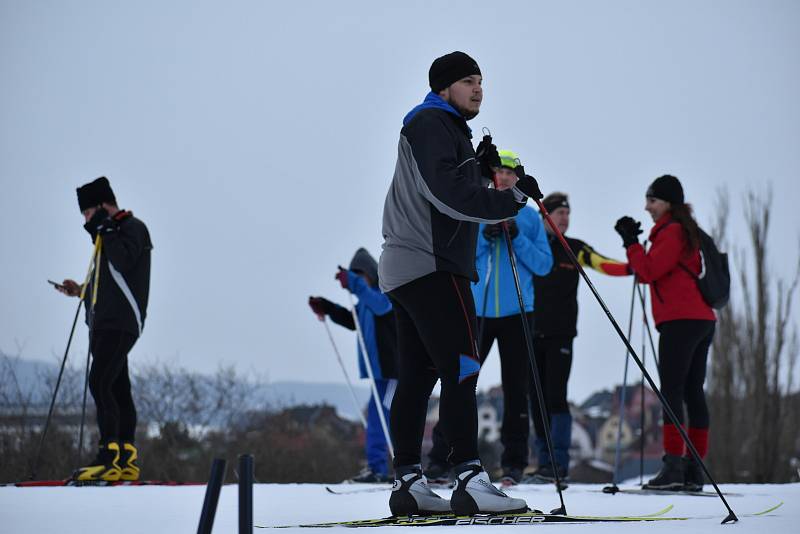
point(768, 510)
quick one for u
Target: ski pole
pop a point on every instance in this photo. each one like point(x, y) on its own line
point(641, 400)
point(346, 376)
point(95, 285)
point(365, 355)
point(485, 296)
point(643, 300)
point(667, 410)
point(613, 488)
point(63, 365)
point(531, 356)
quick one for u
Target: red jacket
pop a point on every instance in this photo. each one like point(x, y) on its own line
point(673, 291)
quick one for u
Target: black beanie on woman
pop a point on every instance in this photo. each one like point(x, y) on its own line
point(667, 188)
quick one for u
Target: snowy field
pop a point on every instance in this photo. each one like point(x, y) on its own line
point(151, 509)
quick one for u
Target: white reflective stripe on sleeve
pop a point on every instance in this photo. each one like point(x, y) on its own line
point(123, 286)
point(391, 387)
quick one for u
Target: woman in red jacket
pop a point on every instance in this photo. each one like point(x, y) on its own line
point(684, 320)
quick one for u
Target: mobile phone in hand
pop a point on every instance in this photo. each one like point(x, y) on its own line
point(56, 285)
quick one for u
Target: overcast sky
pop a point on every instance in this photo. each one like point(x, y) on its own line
point(257, 141)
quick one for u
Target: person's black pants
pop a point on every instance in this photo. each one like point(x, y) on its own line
point(110, 385)
point(514, 373)
point(554, 363)
point(682, 357)
point(436, 332)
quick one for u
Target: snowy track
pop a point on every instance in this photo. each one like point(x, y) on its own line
point(154, 509)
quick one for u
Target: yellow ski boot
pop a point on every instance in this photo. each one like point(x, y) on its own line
point(105, 466)
point(127, 462)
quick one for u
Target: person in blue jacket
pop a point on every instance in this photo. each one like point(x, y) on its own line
point(497, 307)
point(376, 319)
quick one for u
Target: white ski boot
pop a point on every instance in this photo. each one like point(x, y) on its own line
point(475, 494)
point(412, 496)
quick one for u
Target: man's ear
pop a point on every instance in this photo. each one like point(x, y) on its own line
point(445, 93)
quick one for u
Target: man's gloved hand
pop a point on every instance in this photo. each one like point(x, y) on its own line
point(527, 184)
point(341, 276)
point(493, 231)
point(109, 225)
point(487, 156)
point(513, 229)
point(320, 306)
point(96, 222)
point(628, 229)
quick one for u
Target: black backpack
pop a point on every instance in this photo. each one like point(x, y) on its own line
point(714, 280)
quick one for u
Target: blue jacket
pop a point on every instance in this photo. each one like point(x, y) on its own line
point(371, 304)
point(533, 257)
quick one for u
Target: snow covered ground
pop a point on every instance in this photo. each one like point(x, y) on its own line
point(153, 509)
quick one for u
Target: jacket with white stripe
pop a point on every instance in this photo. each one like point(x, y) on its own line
point(436, 199)
point(124, 284)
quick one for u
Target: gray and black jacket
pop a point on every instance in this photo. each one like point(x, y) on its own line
point(436, 199)
point(124, 284)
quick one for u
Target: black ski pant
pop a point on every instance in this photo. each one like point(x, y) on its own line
point(515, 376)
point(436, 329)
point(554, 363)
point(682, 356)
point(111, 386)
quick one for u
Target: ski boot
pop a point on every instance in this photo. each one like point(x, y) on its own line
point(511, 476)
point(693, 476)
point(475, 494)
point(670, 478)
point(105, 467)
point(368, 476)
point(438, 474)
point(127, 462)
point(412, 496)
point(546, 475)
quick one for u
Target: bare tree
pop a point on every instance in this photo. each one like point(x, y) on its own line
point(754, 359)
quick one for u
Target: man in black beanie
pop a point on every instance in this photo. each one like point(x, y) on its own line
point(115, 322)
point(438, 196)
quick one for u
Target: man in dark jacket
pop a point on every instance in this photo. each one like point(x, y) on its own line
point(437, 197)
point(376, 320)
point(115, 313)
point(555, 328)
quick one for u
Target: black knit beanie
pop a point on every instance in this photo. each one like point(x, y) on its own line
point(95, 193)
point(553, 201)
point(450, 68)
point(667, 188)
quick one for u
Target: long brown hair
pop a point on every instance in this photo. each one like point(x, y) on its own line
point(682, 214)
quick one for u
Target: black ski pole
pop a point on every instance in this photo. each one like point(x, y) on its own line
point(95, 284)
point(485, 296)
point(532, 360)
point(613, 488)
point(641, 401)
point(50, 410)
point(643, 300)
point(667, 410)
point(35, 469)
point(246, 469)
point(535, 371)
point(215, 480)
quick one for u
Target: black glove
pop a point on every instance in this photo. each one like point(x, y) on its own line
point(320, 306)
point(96, 222)
point(628, 229)
point(527, 184)
point(493, 231)
point(513, 229)
point(487, 156)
